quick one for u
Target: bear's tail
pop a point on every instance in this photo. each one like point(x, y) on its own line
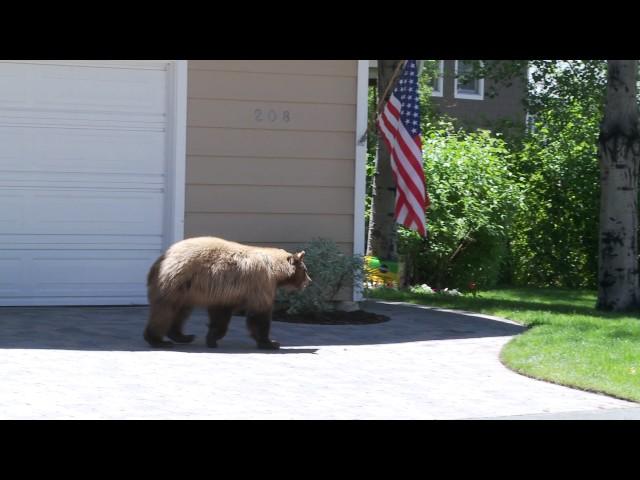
point(153, 278)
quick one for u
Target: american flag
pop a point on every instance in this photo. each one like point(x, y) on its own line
point(399, 124)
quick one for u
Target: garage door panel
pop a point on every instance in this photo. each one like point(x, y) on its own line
point(81, 213)
point(12, 274)
point(77, 242)
point(53, 86)
point(40, 150)
point(12, 211)
point(91, 274)
point(85, 213)
point(105, 89)
point(85, 273)
point(15, 148)
point(97, 120)
point(96, 181)
point(13, 86)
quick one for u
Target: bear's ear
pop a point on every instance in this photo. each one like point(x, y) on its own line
point(295, 258)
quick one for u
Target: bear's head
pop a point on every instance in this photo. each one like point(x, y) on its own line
point(300, 278)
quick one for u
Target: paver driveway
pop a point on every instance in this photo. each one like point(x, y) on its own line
point(91, 362)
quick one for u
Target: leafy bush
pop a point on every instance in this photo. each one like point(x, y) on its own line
point(555, 236)
point(330, 271)
point(474, 197)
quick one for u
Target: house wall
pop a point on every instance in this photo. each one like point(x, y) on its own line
point(483, 113)
point(271, 151)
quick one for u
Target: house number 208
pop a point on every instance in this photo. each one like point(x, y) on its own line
point(271, 115)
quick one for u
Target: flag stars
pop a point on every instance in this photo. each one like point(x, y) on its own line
point(406, 91)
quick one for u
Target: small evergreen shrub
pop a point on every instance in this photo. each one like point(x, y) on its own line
point(330, 271)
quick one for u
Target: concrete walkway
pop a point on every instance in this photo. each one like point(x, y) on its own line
point(92, 363)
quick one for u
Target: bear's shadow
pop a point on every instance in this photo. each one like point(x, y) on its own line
point(120, 329)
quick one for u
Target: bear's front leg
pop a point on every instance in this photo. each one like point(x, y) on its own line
point(259, 325)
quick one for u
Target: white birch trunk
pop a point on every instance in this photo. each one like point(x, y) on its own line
point(619, 152)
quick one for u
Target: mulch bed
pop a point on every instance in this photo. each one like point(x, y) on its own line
point(357, 317)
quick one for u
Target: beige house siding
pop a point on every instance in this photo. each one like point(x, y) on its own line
point(271, 151)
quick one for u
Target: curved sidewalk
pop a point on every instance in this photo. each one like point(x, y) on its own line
point(91, 362)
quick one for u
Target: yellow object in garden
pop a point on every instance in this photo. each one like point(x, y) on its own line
point(381, 272)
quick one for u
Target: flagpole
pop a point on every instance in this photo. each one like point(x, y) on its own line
point(391, 84)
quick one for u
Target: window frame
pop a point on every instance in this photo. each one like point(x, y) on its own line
point(465, 95)
point(440, 91)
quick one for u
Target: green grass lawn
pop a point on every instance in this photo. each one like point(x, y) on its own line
point(569, 342)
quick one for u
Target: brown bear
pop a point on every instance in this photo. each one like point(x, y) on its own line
point(223, 277)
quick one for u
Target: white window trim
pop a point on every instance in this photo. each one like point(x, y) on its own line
point(440, 91)
point(467, 96)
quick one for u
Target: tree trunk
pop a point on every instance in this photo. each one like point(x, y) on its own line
point(382, 227)
point(619, 152)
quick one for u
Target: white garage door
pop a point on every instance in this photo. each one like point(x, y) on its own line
point(83, 163)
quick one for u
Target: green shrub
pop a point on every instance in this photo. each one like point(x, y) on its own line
point(555, 235)
point(330, 271)
point(474, 197)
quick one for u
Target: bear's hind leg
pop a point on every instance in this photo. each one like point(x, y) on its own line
point(160, 318)
point(219, 318)
point(175, 331)
point(259, 325)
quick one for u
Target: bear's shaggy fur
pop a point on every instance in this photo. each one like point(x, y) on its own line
point(224, 277)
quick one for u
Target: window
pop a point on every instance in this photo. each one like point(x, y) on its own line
point(465, 85)
point(530, 122)
point(438, 81)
